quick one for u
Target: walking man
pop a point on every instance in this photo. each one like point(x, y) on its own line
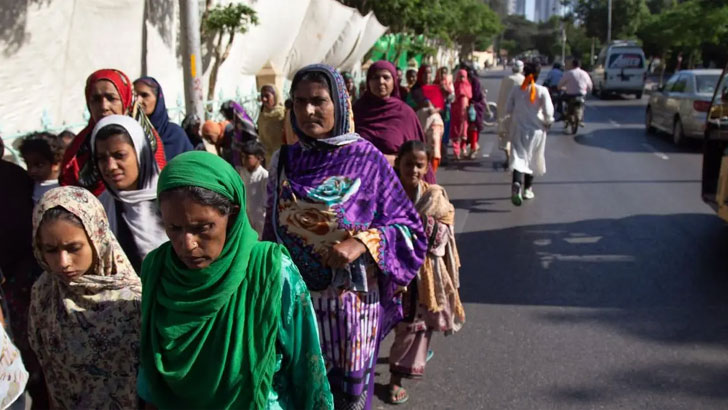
point(531, 113)
point(504, 119)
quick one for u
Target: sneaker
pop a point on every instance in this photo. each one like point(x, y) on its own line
point(516, 194)
point(528, 193)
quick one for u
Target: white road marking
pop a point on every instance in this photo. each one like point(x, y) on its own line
point(583, 240)
point(548, 258)
point(654, 150)
point(615, 123)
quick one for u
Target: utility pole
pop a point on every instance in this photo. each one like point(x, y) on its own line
point(191, 58)
point(609, 22)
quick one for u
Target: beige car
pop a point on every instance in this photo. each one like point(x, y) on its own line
point(680, 106)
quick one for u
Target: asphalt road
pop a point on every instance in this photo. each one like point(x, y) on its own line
point(608, 291)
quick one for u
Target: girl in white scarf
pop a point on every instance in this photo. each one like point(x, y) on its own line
point(127, 166)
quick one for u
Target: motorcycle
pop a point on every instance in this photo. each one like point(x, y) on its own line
point(574, 113)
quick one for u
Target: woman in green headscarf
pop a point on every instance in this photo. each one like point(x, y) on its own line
point(227, 321)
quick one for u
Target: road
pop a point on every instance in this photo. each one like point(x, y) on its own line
point(608, 291)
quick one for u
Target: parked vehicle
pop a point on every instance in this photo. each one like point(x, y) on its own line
point(715, 158)
point(681, 105)
point(620, 68)
point(574, 113)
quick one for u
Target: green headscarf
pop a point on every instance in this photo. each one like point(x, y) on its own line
point(209, 335)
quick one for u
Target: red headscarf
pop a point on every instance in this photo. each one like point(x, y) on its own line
point(462, 85)
point(422, 77)
point(77, 167)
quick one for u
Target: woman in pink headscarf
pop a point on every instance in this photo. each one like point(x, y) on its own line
point(459, 121)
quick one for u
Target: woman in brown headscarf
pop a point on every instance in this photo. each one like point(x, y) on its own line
point(270, 121)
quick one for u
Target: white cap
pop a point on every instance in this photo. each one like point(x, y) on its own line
point(517, 66)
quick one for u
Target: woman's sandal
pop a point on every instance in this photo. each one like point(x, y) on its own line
point(396, 395)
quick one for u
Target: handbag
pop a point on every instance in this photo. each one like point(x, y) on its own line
point(472, 115)
point(317, 278)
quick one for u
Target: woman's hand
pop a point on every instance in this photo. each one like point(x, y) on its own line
point(344, 253)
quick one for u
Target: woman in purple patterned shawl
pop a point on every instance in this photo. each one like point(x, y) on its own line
point(337, 205)
point(240, 129)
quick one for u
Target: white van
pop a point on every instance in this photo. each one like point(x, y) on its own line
point(620, 68)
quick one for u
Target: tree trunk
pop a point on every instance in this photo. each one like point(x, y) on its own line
point(215, 68)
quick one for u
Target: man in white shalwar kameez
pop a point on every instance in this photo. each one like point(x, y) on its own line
point(504, 120)
point(531, 114)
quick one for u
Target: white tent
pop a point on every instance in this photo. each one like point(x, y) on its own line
point(51, 47)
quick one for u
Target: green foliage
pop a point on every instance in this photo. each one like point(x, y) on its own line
point(229, 19)
point(627, 17)
point(466, 22)
point(689, 27)
point(522, 32)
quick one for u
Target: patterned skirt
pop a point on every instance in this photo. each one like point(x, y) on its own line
point(349, 329)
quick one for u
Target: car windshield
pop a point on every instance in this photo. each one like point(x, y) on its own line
point(705, 83)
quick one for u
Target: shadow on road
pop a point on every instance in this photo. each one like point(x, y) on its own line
point(657, 279)
point(677, 380)
point(600, 263)
point(479, 206)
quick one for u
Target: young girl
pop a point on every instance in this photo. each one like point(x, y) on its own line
point(42, 153)
point(255, 178)
point(431, 302)
point(126, 162)
point(85, 316)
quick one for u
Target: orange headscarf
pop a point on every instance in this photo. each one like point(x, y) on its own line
point(532, 82)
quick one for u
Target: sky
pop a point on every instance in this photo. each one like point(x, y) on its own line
point(531, 9)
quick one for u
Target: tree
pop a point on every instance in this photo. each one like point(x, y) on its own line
point(220, 23)
point(521, 31)
point(478, 24)
point(627, 16)
point(444, 21)
point(687, 27)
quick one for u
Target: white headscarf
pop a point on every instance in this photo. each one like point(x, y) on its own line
point(141, 212)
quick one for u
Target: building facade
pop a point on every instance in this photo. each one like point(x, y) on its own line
point(545, 9)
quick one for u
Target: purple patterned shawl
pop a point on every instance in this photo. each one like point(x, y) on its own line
point(349, 176)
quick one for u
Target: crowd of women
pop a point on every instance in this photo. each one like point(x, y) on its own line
point(235, 264)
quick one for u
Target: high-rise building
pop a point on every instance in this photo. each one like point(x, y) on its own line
point(517, 7)
point(545, 9)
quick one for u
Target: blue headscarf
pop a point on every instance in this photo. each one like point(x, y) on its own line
point(173, 137)
point(342, 132)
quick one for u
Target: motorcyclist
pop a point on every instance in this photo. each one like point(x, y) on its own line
point(576, 82)
point(552, 83)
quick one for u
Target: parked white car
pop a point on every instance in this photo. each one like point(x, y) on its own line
point(681, 105)
point(620, 68)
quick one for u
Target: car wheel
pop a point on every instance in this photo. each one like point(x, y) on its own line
point(678, 134)
point(602, 94)
point(638, 95)
point(648, 121)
